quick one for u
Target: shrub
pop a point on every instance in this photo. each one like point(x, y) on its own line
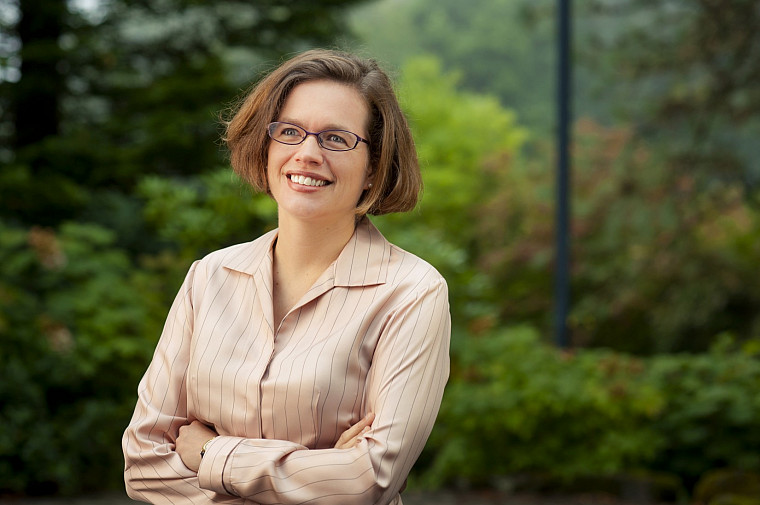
point(79, 319)
point(75, 335)
point(711, 418)
point(515, 405)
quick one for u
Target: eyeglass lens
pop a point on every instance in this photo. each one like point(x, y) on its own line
point(333, 140)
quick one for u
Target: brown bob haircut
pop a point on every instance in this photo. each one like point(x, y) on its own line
point(396, 180)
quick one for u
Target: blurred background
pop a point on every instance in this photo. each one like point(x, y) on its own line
point(113, 180)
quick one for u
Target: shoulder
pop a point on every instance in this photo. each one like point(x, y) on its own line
point(395, 265)
point(405, 265)
point(412, 278)
point(416, 290)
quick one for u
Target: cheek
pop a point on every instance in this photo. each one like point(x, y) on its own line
point(275, 161)
point(271, 171)
point(268, 171)
point(270, 158)
point(276, 151)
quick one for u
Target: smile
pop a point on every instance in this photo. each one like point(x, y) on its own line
point(307, 181)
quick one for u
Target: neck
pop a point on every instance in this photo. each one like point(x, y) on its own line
point(310, 246)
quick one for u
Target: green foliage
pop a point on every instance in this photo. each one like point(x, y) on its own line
point(196, 215)
point(658, 259)
point(727, 486)
point(692, 80)
point(687, 85)
point(501, 48)
point(77, 325)
point(712, 417)
point(517, 406)
point(457, 135)
point(107, 94)
point(665, 214)
point(659, 264)
point(79, 318)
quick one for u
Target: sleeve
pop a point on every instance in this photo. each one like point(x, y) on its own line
point(405, 386)
point(154, 472)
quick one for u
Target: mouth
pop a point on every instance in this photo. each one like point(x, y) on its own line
point(307, 181)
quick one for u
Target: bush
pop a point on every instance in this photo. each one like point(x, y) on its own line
point(76, 331)
point(517, 406)
point(711, 418)
point(79, 319)
point(662, 261)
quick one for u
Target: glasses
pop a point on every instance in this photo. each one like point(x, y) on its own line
point(332, 140)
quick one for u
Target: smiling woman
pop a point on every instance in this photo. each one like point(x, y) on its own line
point(321, 105)
point(309, 364)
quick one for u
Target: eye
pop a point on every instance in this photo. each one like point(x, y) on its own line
point(290, 132)
point(335, 138)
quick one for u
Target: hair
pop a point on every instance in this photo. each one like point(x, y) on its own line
point(396, 182)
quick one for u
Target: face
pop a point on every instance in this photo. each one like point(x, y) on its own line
point(307, 181)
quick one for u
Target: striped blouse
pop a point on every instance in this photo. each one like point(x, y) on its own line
point(371, 335)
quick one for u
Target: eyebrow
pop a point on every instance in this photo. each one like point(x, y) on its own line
point(330, 126)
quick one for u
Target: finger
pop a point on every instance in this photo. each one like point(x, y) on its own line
point(359, 426)
point(349, 437)
point(363, 423)
point(358, 438)
point(347, 443)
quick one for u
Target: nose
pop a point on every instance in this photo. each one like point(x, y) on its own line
point(309, 150)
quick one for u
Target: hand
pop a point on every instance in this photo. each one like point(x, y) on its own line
point(351, 436)
point(190, 442)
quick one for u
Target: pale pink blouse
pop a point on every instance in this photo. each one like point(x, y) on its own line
point(371, 335)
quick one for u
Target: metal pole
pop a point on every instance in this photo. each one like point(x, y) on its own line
point(562, 259)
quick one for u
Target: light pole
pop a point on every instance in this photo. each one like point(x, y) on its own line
point(562, 214)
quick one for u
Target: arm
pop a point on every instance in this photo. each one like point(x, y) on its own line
point(404, 390)
point(153, 471)
point(194, 437)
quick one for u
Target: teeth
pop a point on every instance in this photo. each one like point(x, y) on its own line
point(307, 181)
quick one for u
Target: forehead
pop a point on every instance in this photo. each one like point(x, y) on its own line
point(326, 104)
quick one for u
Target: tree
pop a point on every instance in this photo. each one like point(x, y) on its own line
point(659, 264)
point(35, 106)
point(464, 140)
point(106, 200)
point(685, 71)
point(502, 48)
point(657, 162)
point(132, 87)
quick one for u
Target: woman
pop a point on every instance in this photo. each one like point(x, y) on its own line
point(306, 366)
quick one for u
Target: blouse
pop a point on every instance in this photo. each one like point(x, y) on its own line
point(371, 335)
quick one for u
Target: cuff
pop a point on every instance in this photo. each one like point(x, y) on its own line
point(215, 470)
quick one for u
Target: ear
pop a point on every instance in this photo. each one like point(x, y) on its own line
point(369, 179)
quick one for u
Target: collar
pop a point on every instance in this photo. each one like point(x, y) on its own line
point(362, 262)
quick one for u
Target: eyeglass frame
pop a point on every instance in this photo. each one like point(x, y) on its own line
point(316, 135)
